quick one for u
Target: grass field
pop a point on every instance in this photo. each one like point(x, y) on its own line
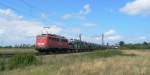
point(126, 62)
point(16, 50)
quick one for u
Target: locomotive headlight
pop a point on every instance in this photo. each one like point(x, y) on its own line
point(41, 44)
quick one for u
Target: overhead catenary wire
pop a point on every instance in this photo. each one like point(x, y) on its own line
point(43, 13)
point(15, 9)
point(28, 5)
point(31, 6)
point(6, 5)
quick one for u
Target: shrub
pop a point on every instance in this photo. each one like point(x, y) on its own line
point(22, 60)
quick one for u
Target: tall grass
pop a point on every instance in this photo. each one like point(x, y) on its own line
point(22, 60)
point(79, 57)
point(107, 62)
point(18, 61)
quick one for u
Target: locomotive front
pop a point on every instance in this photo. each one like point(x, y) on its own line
point(41, 42)
point(51, 42)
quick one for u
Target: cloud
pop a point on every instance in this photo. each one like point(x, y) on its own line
point(137, 7)
point(14, 28)
point(136, 39)
point(44, 15)
point(112, 35)
point(142, 38)
point(1, 31)
point(110, 32)
point(54, 29)
point(72, 16)
point(73, 30)
point(89, 24)
point(86, 10)
point(9, 14)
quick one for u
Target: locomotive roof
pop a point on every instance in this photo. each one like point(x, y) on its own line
point(53, 35)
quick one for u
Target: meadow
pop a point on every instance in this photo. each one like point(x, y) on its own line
point(100, 62)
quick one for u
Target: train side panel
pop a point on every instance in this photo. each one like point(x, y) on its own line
point(58, 43)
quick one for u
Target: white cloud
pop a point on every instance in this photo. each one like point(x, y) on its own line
point(137, 7)
point(86, 10)
point(72, 15)
point(115, 37)
point(44, 15)
point(1, 31)
point(110, 32)
point(16, 28)
point(89, 24)
point(9, 14)
point(74, 30)
point(6, 12)
point(112, 35)
point(53, 29)
point(142, 38)
point(136, 39)
point(90, 39)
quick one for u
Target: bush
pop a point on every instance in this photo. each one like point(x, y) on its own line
point(17, 61)
point(22, 60)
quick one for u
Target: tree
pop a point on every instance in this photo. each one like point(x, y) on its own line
point(121, 43)
point(145, 43)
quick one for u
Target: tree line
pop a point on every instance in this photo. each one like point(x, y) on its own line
point(144, 45)
point(18, 46)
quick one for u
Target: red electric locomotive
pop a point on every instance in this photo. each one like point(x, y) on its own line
point(51, 42)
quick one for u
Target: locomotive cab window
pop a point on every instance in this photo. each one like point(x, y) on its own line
point(55, 39)
point(63, 40)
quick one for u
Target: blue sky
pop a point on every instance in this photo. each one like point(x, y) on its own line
point(126, 20)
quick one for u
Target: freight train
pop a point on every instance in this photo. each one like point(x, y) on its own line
point(57, 43)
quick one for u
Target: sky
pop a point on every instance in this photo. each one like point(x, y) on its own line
point(127, 20)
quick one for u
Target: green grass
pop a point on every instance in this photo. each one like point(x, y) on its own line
point(106, 62)
point(22, 60)
point(16, 50)
point(103, 53)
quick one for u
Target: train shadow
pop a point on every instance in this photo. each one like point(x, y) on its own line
point(59, 52)
point(7, 55)
point(131, 55)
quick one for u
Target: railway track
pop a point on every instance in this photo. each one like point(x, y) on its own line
point(12, 54)
point(39, 54)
